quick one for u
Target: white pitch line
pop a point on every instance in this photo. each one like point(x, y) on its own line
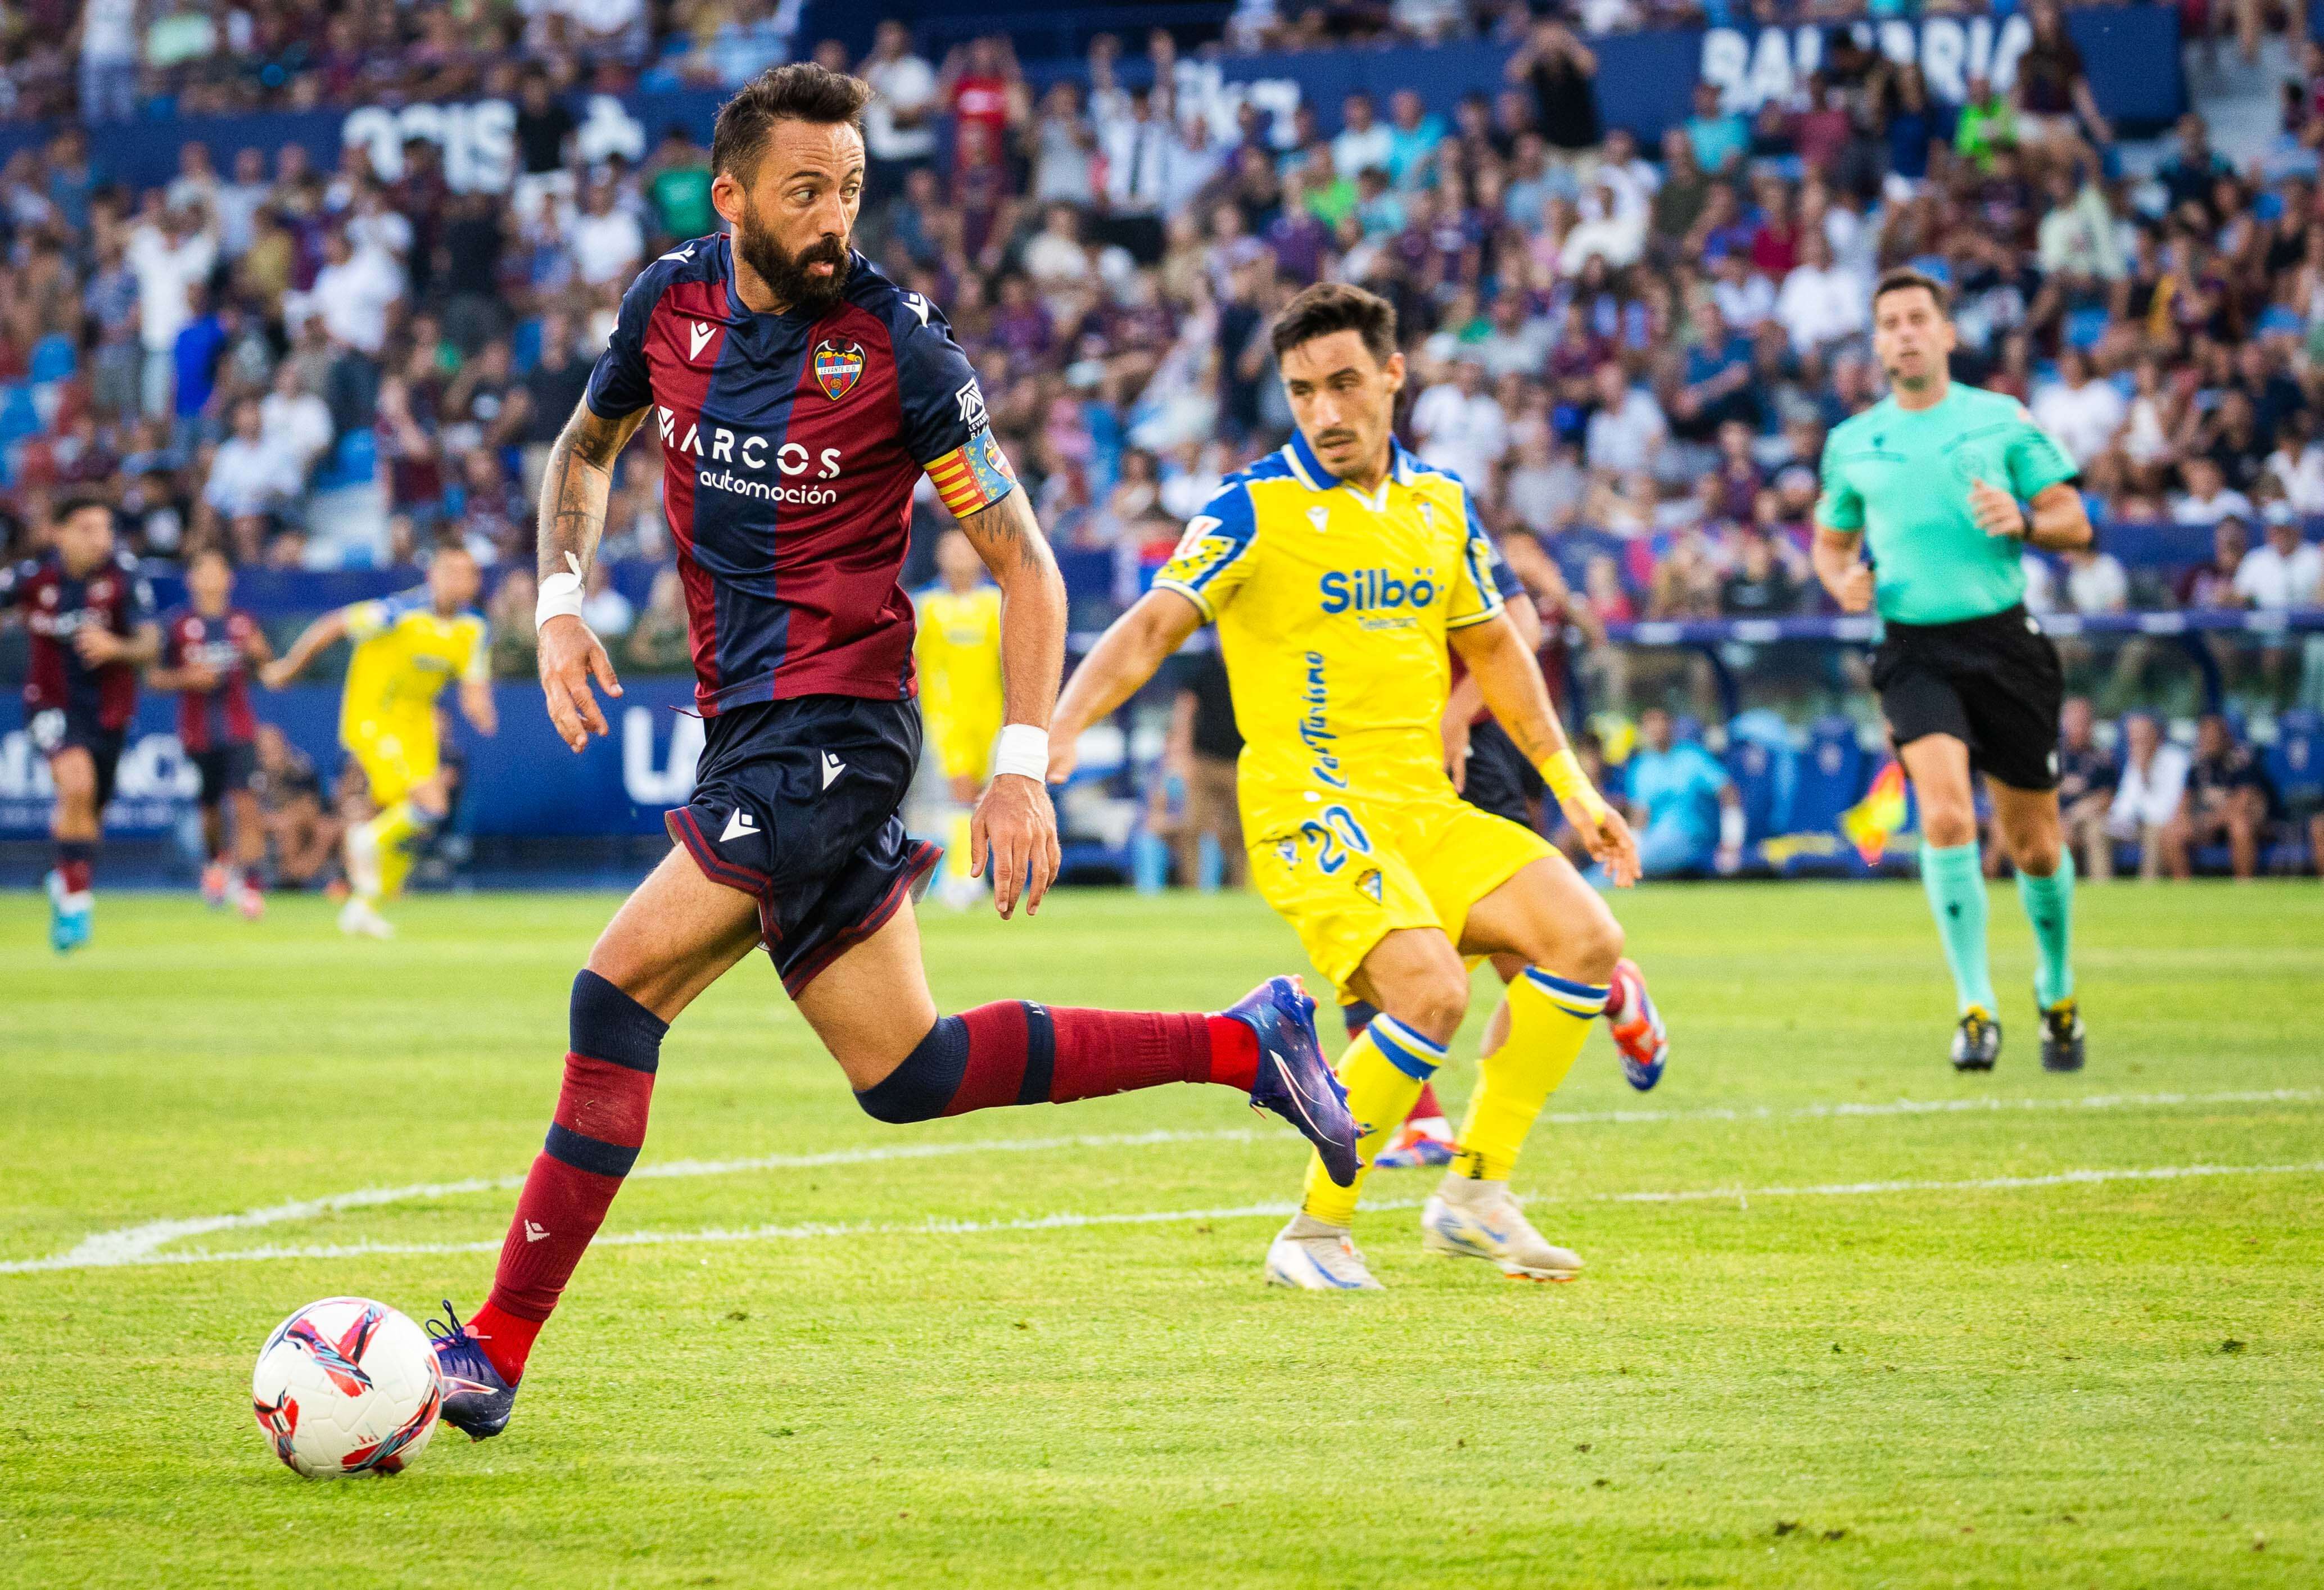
point(1070, 1220)
point(129, 1244)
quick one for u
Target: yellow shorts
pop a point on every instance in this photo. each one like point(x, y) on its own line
point(964, 744)
point(1349, 871)
point(395, 759)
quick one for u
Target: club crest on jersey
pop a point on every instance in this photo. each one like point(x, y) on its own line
point(1369, 883)
point(838, 366)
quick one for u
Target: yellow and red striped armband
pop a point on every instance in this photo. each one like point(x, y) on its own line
point(973, 477)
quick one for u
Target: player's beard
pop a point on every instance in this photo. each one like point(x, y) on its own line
point(798, 290)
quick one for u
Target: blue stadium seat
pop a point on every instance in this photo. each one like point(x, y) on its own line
point(18, 418)
point(2295, 766)
point(352, 463)
point(525, 346)
point(53, 358)
point(1832, 776)
point(1761, 760)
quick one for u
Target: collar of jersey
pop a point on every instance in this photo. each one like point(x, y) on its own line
point(1310, 471)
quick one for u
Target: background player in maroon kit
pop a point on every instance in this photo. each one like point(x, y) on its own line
point(799, 395)
point(209, 648)
point(91, 618)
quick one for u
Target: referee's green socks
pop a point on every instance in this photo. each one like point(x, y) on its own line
point(1954, 878)
point(2049, 904)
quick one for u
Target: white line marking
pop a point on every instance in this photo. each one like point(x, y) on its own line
point(131, 1244)
point(937, 1226)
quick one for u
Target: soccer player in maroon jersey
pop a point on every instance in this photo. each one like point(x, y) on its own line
point(209, 648)
point(91, 618)
point(799, 395)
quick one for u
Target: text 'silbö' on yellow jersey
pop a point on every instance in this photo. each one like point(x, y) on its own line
point(1332, 608)
point(405, 653)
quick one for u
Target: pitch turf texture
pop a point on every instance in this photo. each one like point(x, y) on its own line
point(2027, 1330)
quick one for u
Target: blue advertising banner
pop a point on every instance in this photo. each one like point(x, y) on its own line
point(1644, 82)
point(520, 781)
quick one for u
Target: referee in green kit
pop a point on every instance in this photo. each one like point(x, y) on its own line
point(1941, 484)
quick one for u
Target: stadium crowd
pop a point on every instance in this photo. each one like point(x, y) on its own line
point(1634, 354)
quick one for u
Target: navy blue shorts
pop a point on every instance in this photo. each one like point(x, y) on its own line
point(1499, 779)
point(60, 729)
point(798, 804)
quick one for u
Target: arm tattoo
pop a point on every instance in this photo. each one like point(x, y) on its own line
point(1007, 533)
point(575, 486)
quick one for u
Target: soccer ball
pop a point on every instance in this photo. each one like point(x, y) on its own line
point(346, 1386)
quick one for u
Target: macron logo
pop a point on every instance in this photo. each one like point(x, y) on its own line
point(702, 334)
point(534, 1231)
point(742, 823)
point(832, 769)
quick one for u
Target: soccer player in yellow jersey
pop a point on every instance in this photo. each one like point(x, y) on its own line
point(406, 648)
point(1337, 570)
point(957, 651)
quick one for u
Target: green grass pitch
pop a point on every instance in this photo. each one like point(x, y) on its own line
point(1845, 1342)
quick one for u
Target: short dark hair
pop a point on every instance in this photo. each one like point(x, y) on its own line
point(799, 92)
point(68, 506)
point(1334, 306)
point(1904, 279)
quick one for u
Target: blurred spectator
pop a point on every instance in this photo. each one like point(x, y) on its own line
point(607, 612)
point(1200, 754)
point(2086, 781)
point(2286, 571)
point(656, 642)
point(2212, 584)
point(302, 834)
point(251, 480)
point(2226, 801)
point(2150, 791)
point(1561, 70)
point(898, 125)
point(1679, 795)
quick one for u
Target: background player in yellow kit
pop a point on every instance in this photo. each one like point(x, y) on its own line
point(957, 651)
point(1337, 570)
point(406, 648)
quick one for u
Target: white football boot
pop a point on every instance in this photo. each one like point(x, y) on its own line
point(359, 919)
point(1479, 1220)
point(1318, 1257)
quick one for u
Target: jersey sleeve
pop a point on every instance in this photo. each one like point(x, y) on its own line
point(1505, 578)
point(1839, 506)
point(945, 429)
point(620, 383)
point(1214, 557)
point(137, 605)
point(1476, 594)
point(2033, 458)
point(367, 619)
point(477, 668)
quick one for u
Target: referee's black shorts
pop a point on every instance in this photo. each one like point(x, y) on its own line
point(1992, 683)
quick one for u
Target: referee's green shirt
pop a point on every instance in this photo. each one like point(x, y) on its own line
point(1901, 478)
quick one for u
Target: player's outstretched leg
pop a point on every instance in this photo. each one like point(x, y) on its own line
point(871, 1008)
point(873, 1002)
point(72, 899)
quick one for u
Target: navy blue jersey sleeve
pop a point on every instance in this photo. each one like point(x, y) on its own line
point(945, 429)
point(1505, 578)
point(620, 384)
point(136, 595)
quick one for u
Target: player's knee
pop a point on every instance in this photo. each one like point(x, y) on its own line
point(1435, 1003)
point(1593, 944)
point(1947, 825)
point(2037, 854)
point(925, 1081)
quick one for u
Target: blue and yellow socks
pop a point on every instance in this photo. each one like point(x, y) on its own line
point(1549, 1017)
point(1383, 1071)
point(1954, 878)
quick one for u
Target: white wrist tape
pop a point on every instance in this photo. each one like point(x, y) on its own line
point(1023, 751)
point(560, 594)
